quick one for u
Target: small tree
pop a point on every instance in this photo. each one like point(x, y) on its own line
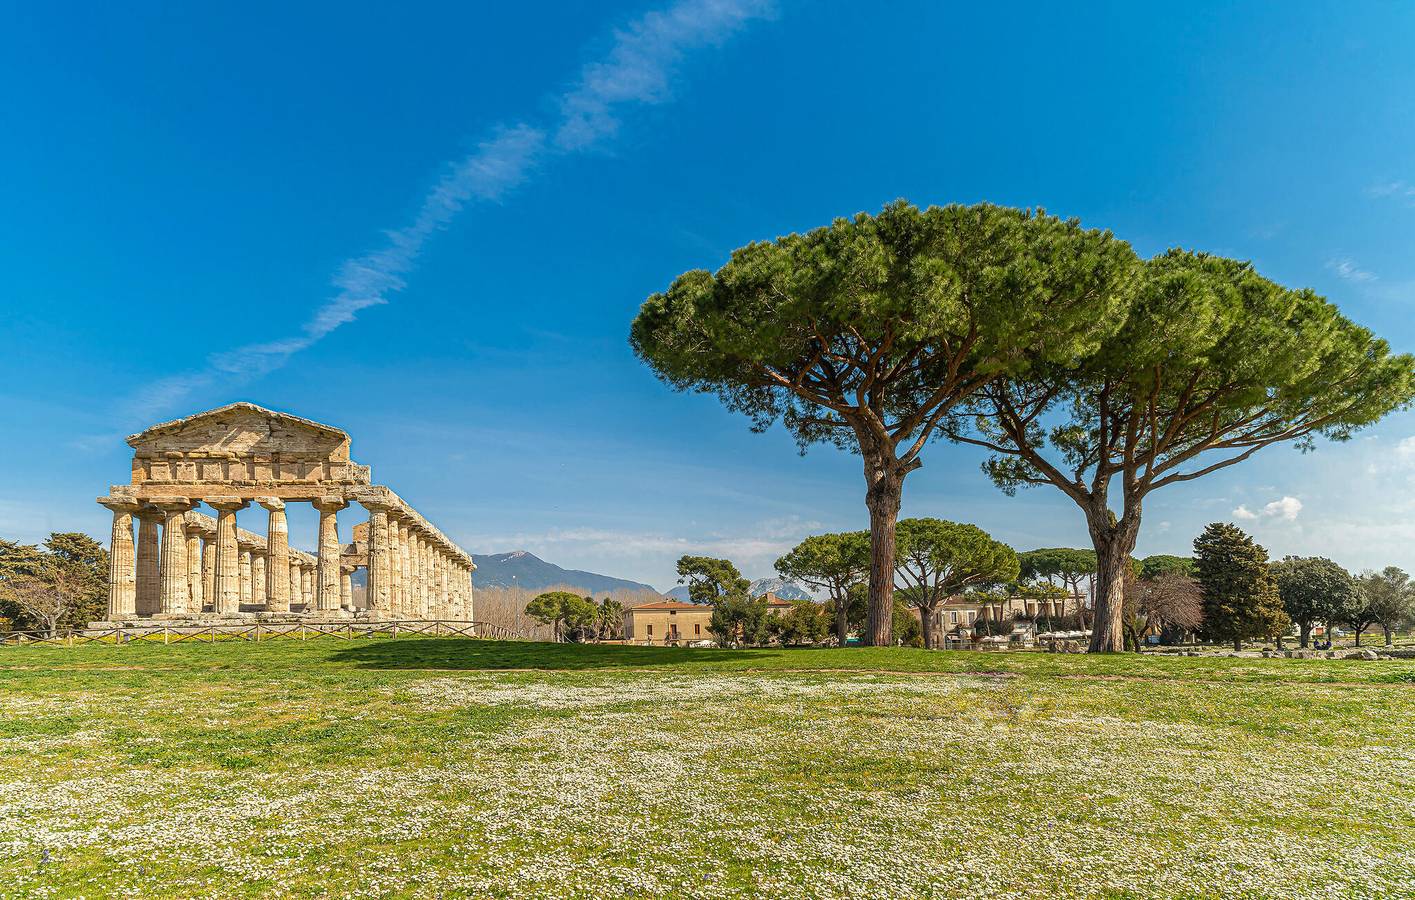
point(1241, 600)
point(738, 619)
point(1169, 603)
point(867, 333)
point(832, 563)
point(1066, 567)
point(709, 579)
point(46, 599)
point(937, 559)
point(579, 616)
point(1389, 600)
point(805, 622)
point(610, 619)
point(550, 608)
point(1314, 589)
point(1212, 363)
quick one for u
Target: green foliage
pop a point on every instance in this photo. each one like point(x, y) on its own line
point(899, 307)
point(939, 559)
point(828, 562)
point(806, 622)
point(709, 579)
point(580, 616)
point(1314, 589)
point(1068, 565)
point(1241, 600)
point(1152, 567)
point(553, 607)
point(610, 619)
point(740, 621)
point(907, 630)
point(1386, 598)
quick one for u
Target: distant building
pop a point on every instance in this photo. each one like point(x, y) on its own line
point(675, 622)
point(667, 622)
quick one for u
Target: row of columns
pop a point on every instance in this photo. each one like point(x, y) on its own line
point(409, 576)
point(180, 569)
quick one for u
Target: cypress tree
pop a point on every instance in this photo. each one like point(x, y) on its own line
point(1241, 599)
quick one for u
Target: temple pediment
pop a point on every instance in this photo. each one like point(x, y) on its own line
point(243, 428)
point(244, 444)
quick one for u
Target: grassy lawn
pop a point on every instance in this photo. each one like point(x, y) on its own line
point(424, 767)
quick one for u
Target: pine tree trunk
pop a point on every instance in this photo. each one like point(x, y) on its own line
point(882, 500)
point(1305, 636)
point(1237, 644)
point(842, 618)
point(926, 625)
point(1113, 543)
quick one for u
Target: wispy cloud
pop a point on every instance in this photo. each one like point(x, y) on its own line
point(637, 69)
point(1285, 510)
point(1397, 189)
point(1345, 267)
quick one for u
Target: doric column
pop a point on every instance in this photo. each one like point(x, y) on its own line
point(277, 563)
point(405, 571)
point(326, 595)
point(307, 585)
point(245, 548)
point(258, 582)
point(415, 555)
point(444, 597)
point(297, 594)
point(196, 585)
point(149, 585)
point(226, 580)
point(429, 588)
point(172, 571)
point(346, 586)
point(204, 563)
point(208, 571)
point(122, 560)
point(380, 589)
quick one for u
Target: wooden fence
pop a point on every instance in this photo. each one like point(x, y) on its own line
point(258, 631)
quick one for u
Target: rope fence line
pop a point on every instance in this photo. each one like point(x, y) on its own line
point(259, 631)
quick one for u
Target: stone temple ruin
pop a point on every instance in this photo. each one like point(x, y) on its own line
point(189, 566)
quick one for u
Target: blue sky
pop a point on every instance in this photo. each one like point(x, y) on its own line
point(431, 226)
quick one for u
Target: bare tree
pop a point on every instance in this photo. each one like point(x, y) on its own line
point(47, 598)
point(1169, 602)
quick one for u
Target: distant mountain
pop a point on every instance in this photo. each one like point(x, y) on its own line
point(521, 569)
point(786, 590)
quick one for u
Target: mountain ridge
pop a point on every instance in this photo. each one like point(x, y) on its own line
point(521, 568)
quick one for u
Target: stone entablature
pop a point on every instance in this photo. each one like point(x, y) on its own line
point(186, 564)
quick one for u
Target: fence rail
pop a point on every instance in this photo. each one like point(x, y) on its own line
point(259, 631)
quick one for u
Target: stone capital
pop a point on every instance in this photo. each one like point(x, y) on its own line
point(248, 545)
point(329, 503)
point(226, 503)
point(120, 504)
point(274, 504)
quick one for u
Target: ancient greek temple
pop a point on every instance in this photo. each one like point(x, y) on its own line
point(186, 565)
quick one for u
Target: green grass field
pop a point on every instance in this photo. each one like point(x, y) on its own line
point(420, 767)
